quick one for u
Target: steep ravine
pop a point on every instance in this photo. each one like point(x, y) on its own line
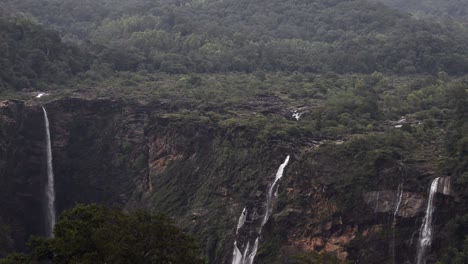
point(203, 174)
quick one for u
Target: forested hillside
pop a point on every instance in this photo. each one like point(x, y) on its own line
point(455, 9)
point(33, 56)
point(224, 36)
point(187, 108)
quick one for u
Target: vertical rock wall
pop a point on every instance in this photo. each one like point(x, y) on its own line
point(203, 175)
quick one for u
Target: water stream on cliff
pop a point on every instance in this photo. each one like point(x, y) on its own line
point(395, 213)
point(251, 250)
point(242, 219)
point(269, 203)
point(50, 192)
point(425, 234)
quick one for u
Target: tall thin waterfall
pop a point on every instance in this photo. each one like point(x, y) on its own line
point(242, 219)
point(50, 192)
point(425, 234)
point(395, 213)
point(250, 250)
point(238, 257)
point(269, 203)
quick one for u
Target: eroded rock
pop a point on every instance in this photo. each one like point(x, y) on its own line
point(386, 202)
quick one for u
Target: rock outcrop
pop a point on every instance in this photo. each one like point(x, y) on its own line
point(203, 174)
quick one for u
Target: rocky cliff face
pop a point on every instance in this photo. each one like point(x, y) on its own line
point(203, 174)
point(22, 173)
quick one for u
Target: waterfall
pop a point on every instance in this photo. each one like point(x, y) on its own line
point(425, 234)
point(237, 255)
point(398, 203)
point(253, 252)
point(269, 203)
point(50, 192)
point(250, 250)
point(444, 185)
point(395, 213)
point(249, 253)
point(242, 219)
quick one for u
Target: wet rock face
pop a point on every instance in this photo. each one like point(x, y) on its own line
point(203, 175)
point(100, 151)
point(444, 185)
point(22, 174)
point(411, 205)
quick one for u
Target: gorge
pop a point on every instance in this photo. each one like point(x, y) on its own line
point(254, 132)
point(214, 181)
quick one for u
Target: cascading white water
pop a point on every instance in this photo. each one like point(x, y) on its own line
point(269, 203)
point(236, 255)
point(398, 203)
point(253, 252)
point(250, 251)
point(50, 192)
point(425, 234)
point(395, 213)
point(444, 185)
point(242, 219)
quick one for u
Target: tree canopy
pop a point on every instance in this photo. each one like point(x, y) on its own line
point(244, 36)
point(96, 234)
point(33, 56)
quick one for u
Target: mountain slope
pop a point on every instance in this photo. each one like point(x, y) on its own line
point(33, 56)
point(223, 36)
point(455, 9)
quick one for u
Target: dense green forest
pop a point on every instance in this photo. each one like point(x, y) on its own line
point(218, 53)
point(33, 56)
point(453, 9)
point(355, 66)
point(96, 234)
point(231, 36)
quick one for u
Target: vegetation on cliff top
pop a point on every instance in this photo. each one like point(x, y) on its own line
point(33, 56)
point(389, 85)
point(96, 234)
point(231, 36)
point(445, 9)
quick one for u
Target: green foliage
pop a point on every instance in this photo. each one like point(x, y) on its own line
point(306, 36)
point(34, 57)
point(17, 258)
point(457, 252)
point(95, 234)
point(6, 242)
point(242, 67)
point(454, 9)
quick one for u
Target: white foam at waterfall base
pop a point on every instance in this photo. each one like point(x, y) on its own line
point(425, 234)
point(50, 192)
